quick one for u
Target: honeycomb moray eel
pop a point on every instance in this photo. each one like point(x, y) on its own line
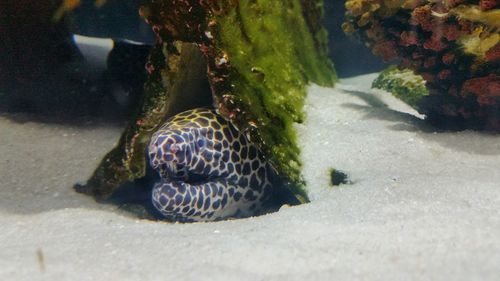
point(208, 169)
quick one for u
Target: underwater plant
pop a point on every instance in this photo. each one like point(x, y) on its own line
point(249, 60)
point(403, 84)
point(453, 44)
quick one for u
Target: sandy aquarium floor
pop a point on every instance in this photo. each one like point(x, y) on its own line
point(423, 205)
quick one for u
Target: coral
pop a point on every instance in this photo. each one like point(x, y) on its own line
point(259, 56)
point(493, 54)
point(409, 38)
point(452, 44)
point(487, 89)
point(385, 49)
point(489, 4)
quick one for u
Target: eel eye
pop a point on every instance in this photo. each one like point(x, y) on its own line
point(174, 148)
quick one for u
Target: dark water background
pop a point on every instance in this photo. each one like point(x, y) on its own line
point(119, 19)
point(46, 73)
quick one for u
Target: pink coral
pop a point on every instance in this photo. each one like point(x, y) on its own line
point(386, 49)
point(489, 4)
point(451, 32)
point(487, 89)
point(453, 3)
point(465, 26)
point(448, 58)
point(493, 54)
point(435, 43)
point(430, 62)
point(422, 16)
point(444, 74)
point(409, 38)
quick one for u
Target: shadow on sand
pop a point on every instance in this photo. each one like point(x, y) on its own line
point(477, 142)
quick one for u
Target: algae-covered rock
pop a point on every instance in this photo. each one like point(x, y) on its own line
point(258, 57)
point(403, 84)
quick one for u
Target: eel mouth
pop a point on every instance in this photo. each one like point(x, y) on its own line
point(198, 179)
point(176, 171)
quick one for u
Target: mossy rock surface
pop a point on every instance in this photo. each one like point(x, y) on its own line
point(272, 56)
point(258, 58)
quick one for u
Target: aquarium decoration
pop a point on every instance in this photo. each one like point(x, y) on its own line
point(453, 44)
point(249, 60)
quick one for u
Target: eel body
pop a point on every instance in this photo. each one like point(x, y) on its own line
point(208, 169)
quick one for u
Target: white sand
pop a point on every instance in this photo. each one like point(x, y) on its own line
point(422, 206)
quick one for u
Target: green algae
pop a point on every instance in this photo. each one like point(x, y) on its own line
point(403, 84)
point(273, 56)
point(474, 13)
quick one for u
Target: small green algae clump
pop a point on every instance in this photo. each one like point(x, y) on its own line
point(403, 84)
point(258, 57)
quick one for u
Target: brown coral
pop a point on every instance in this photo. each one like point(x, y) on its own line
point(486, 89)
point(386, 49)
point(451, 31)
point(422, 16)
point(493, 54)
point(448, 58)
point(453, 3)
point(489, 4)
point(435, 43)
point(409, 38)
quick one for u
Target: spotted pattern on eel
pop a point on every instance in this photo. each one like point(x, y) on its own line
point(208, 169)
